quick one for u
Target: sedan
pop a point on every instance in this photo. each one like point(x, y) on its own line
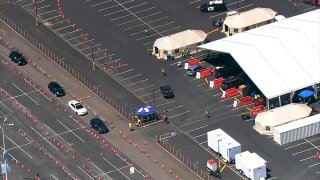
point(17, 58)
point(192, 70)
point(166, 91)
point(56, 89)
point(98, 125)
point(77, 107)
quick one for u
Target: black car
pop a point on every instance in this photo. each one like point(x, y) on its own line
point(226, 72)
point(99, 126)
point(231, 82)
point(17, 58)
point(166, 91)
point(213, 6)
point(56, 89)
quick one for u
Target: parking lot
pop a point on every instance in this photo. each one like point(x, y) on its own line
point(47, 138)
point(186, 114)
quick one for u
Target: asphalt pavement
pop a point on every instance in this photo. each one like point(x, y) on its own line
point(137, 72)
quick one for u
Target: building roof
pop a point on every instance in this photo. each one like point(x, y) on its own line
point(180, 39)
point(280, 57)
point(283, 114)
point(299, 123)
point(250, 17)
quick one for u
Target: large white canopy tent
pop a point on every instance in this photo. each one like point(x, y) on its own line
point(280, 57)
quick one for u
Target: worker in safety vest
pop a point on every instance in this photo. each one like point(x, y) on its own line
point(207, 113)
point(163, 72)
point(183, 53)
point(130, 126)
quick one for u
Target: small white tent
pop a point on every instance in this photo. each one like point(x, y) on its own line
point(266, 121)
point(176, 43)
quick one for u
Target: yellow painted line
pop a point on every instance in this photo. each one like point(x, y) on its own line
point(206, 80)
point(249, 109)
point(212, 31)
point(236, 99)
point(221, 89)
point(223, 168)
point(86, 97)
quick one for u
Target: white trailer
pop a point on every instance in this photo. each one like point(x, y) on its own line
point(297, 130)
point(251, 165)
point(222, 143)
point(228, 148)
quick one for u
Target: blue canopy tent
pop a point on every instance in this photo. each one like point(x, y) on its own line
point(144, 110)
point(306, 93)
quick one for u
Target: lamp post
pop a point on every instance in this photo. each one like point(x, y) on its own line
point(219, 153)
point(4, 146)
point(36, 11)
point(92, 57)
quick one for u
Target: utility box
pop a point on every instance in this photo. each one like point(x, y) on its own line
point(222, 143)
point(251, 165)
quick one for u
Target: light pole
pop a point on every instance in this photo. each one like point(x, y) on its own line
point(92, 57)
point(219, 153)
point(4, 146)
point(36, 10)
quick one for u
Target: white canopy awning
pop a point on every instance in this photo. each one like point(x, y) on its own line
point(280, 57)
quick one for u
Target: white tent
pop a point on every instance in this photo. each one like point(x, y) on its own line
point(175, 43)
point(281, 115)
point(280, 57)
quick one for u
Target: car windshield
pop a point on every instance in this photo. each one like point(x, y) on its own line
point(79, 106)
point(194, 68)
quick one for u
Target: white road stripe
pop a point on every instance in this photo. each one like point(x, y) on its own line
point(108, 172)
point(203, 142)
point(90, 40)
point(138, 19)
point(161, 32)
point(70, 33)
point(90, 47)
point(128, 8)
point(200, 135)
point(166, 103)
point(120, 66)
point(123, 72)
point(194, 1)
point(130, 77)
point(304, 151)
point(196, 129)
point(19, 147)
point(114, 6)
point(70, 131)
point(226, 13)
point(170, 117)
point(25, 94)
point(150, 93)
point(172, 108)
point(76, 38)
point(308, 158)
point(143, 88)
point(42, 7)
point(190, 123)
point(85, 172)
point(300, 144)
point(6, 107)
point(44, 139)
point(314, 165)
point(93, 5)
point(59, 22)
point(116, 168)
point(147, 9)
point(47, 12)
point(137, 82)
point(317, 147)
point(154, 99)
point(56, 134)
point(57, 16)
point(54, 177)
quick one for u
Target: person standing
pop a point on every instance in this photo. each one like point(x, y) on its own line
point(207, 113)
point(147, 31)
point(163, 72)
point(130, 126)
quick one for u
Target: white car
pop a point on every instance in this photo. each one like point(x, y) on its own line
point(77, 107)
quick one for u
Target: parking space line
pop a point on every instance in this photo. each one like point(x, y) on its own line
point(16, 145)
point(317, 147)
point(76, 37)
point(194, 1)
point(173, 108)
point(44, 139)
point(196, 129)
point(132, 27)
point(93, 5)
point(200, 135)
point(59, 22)
point(90, 40)
point(158, 34)
point(85, 172)
point(166, 103)
point(6, 107)
point(178, 114)
point(314, 165)
point(150, 93)
point(137, 82)
point(304, 150)
point(70, 131)
point(308, 158)
point(57, 16)
point(147, 9)
point(97, 167)
point(120, 66)
point(109, 7)
point(203, 142)
point(108, 172)
point(56, 134)
point(123, 72)
point(235, 2)
point(225, 13)
point(125, 10)
point(25, 94)
point(54, 177)
point(145, 44)
point(90, 47)
point(35, 90)
point(42, 7)
point(70, 33)
point(300, 144)
point(95, 52)
point(47, 12)
point(116, 168)
point(130, 77)
point(144, 88)
point(138, 19)
point(202, 84)
point(154, 99)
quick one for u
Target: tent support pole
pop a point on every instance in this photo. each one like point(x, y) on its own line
point(280, 104)
point(268, 104)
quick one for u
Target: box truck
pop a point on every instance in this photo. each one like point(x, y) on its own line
point(251, 165)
